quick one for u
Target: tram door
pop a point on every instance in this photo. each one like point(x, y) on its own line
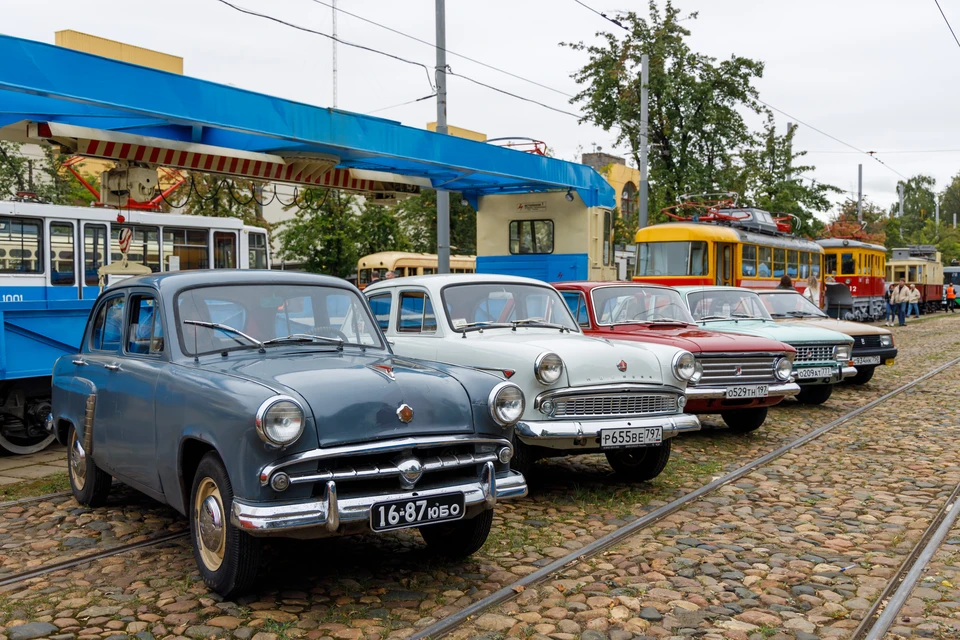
point(96, 253)
point(725, 264)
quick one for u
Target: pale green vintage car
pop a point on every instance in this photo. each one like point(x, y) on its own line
point(823, 356)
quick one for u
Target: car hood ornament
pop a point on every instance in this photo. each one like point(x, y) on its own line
point(405, 413)
point(622, 365)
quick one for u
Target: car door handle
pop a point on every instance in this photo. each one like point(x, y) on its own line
point(80, 362)
point(112, 367)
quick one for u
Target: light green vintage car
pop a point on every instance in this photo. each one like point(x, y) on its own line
point(823, 356)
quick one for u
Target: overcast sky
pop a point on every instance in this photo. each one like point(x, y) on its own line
point(880, 75)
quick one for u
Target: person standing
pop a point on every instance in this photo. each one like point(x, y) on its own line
point(812, 292)
point(785, 282)
point(951, 297)
point(913, 304)
point(888, 300)
point(900, 298)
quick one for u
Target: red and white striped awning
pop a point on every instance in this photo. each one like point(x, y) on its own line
point(310, 170)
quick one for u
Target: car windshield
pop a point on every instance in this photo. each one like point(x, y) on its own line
point(790, 305)
point(634, 304)
point(268, 312)
point(503, 304)
point(720, 304)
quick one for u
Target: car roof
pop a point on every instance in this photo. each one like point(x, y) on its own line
point(693, 289)
point(176, 280)
point(589, 285)
point(439, 280)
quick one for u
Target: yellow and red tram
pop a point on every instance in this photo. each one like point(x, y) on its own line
point(854, 273)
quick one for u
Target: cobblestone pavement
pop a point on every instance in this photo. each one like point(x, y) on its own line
point(848, 487)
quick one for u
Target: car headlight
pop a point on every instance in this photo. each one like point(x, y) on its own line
point(783, 368)
point(548, 368)
point(843, 352)
point(886, 341)
point(684, 365)
point(506, 404)
point(280, 421)
point(697, 373)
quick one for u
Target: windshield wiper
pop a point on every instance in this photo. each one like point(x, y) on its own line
point(228, 329)
point(714, 318)
point(480, 326)
point(306, 337)
point(801, 314)
point(741, 315)
point(537, 322)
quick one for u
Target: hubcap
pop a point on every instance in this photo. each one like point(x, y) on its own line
point(211, 534)
point(78, 462)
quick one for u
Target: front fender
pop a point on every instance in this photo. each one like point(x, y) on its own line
point(69, 395)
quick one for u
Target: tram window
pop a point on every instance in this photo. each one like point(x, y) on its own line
point(144, 246)
point(531, 236)
point(428, 271)
point(94, 250)
point(913, 275)
point(831, 266)
point(62, 254)
point(815, 264)
point(416, 313)
point(748, 260)
point(191, 246)
point(257, 254)
point(673, 259)
point(804, 265)
point(792, 263)
point(764, 261)
point(22, 239)
point(848, 264)
point(779, 259)
point(224, 250)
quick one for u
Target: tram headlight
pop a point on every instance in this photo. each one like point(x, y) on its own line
point(843, 352)
point(684, 365)
point(783, 369)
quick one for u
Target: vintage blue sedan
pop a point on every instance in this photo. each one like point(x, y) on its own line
point(269, 403)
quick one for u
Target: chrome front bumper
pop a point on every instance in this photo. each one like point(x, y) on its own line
point(572, 434)
point(331, 513)
point(782, 389)
point(839, 373)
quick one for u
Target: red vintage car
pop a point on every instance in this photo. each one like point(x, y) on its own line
point(738, 376)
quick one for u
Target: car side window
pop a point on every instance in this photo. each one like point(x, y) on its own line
point(380, 305)
point(145, 331)
point(416, 313)
point(108, 326)
point(578, 307)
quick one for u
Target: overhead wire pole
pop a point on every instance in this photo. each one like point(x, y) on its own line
point(334, 54)
point(443, 197)
point(644, 139)
point(859, 193)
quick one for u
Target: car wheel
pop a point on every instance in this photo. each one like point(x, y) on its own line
point(815, 394)
point(864, 375)
point(458, 539)
point(640, 464)
point(228, 558)
point(90, 484)
point(523, 457)
point(744, 420)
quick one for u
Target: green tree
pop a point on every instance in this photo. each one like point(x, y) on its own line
point(418, 219)
point(45, 176)
point(379, 229)
point(696, 102)
point(772, 180)
point(845, 224)
point(919, 204)
point(322, 235)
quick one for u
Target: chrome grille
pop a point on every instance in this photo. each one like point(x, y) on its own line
point(814, 352)
point(749, 370)
point(390, 470)
point(613, 404)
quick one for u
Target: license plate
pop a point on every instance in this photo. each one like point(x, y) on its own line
point(755, 391)
point(815, 372)
point(413, 512)
point(631, 437)
point(866, 360)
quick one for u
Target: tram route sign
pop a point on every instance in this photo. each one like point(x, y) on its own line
point(532, 206)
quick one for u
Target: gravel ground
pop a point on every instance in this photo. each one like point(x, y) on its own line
point(848, 487)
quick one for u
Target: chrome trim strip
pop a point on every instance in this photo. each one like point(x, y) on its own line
point(372, 448)
point(740, 354)
point(786, 389)
point(435, 463)
point(329, 513)
point(625, 387)
point(573, 434)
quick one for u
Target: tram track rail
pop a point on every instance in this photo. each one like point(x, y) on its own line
point(508, 592)
point(883, 614)
point(448, 624)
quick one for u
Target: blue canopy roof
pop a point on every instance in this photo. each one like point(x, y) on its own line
point(46, 83)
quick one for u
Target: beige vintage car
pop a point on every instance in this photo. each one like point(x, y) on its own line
point(872, 346)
